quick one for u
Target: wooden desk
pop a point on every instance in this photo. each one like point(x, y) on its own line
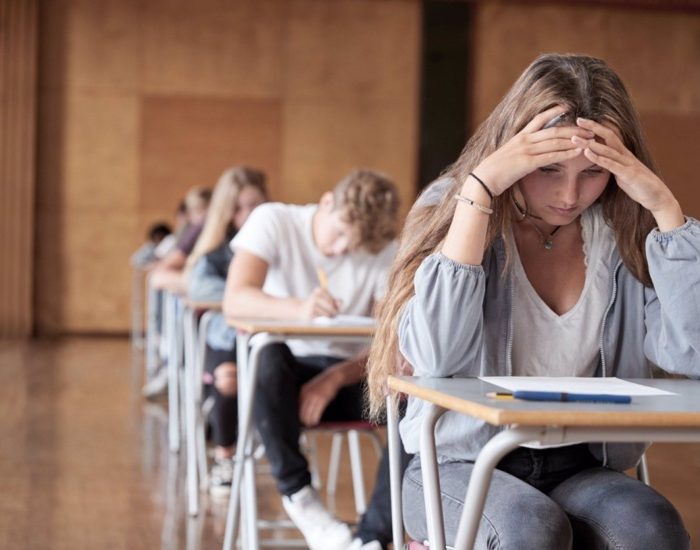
point(266, 332)
point(201, 307)
point(648, 418)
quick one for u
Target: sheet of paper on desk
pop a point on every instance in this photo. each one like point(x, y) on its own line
point(611, 386)
point(344, 321)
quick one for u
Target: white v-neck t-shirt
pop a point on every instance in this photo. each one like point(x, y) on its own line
point(282, 235)
point(547, 344)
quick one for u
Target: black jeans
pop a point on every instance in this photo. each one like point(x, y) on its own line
point(279, 379)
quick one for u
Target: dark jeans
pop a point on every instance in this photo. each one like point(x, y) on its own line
point(223, 418)
point(556, 499)
point(279, 379)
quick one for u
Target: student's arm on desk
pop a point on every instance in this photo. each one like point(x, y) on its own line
point(244, 296)
point(318, 392)
point(175, 259)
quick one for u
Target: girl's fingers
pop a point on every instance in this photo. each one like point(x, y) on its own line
point(602, 150)
point(560, 144)
point(610, 126)
point(607, 151)
point(542, 119)
point(611, 137)
point(565, 132)
point(604, 162)
point(552, 157)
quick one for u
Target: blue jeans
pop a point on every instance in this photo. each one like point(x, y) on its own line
point(556, 499)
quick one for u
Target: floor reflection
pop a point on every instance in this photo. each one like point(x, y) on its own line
point(85, 462)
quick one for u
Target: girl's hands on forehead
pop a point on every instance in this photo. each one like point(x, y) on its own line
point(538, 144)
point(632, 176)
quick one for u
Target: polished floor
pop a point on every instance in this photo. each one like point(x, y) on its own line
point(84, 462)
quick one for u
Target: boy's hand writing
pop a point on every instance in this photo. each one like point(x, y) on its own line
point(319, 303)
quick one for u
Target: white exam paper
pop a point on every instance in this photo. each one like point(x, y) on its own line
point(571, 384)
point(344, 321)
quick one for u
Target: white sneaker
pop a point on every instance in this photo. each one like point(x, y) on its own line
point(321, 530)
point(221, 478)
point(371, 545)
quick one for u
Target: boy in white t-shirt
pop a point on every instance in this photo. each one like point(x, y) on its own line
point(279, 253)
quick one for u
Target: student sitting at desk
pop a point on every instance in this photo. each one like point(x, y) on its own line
point(281, 253)
point(237, 193)
point(166, 274)
point(554, 250)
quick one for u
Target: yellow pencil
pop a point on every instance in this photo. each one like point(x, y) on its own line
point(322, 278)
point(499, 395)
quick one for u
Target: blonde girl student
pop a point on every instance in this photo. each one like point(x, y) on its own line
point(238, 192)
point(551, 247)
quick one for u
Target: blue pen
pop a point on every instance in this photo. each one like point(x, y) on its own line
point(576, 397)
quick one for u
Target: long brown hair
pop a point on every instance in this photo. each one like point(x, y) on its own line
point(223, 202)
point(589, 89)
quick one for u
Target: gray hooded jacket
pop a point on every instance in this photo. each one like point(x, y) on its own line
point(459, 324)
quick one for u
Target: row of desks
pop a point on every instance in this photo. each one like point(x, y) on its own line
point(657, 418)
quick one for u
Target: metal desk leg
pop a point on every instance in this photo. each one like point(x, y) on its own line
point(173, 374)
point(643, 470)
point(235, 499)
point(244, 462)
point(479, 482)
point(395, 471)
point(137, 307)
point(151, 350)
point(190, 337)
point(249, 496)
point(204, 323)
point(431, 481)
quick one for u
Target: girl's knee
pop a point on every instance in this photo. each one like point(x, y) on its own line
point(536, 523)
point(656, 525)
point(225, 379)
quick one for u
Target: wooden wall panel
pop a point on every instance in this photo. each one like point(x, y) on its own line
point(213, 47)
point(18, 100)
point(141, 100)
point(675, 142)
point(655, 52)
point(190, 141)
point(324, 141)
point(352, 92)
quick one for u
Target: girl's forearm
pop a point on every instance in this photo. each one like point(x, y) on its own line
point(467, 234)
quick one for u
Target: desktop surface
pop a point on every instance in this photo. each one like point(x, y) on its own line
point(297, 327)
point(469, 396)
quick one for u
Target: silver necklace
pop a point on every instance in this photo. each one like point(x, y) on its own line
point(546, 239)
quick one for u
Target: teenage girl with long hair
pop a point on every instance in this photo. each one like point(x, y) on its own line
point(550, 248)
point(238, 192)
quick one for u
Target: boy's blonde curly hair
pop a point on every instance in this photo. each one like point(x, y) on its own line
point(369, 201)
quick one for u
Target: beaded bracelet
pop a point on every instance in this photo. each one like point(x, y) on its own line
point(479, 207)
